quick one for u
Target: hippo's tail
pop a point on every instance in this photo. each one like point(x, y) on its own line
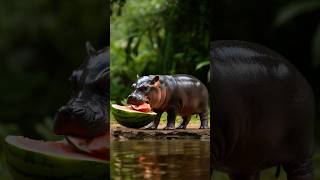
point(278, 171)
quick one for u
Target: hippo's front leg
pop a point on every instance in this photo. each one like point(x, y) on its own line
point(154, 124)
point(204, 120)
point(171, 119)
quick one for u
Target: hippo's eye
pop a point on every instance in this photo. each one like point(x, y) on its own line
point(143, 88)
point(133, 86)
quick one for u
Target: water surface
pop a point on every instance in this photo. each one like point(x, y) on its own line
point(160, 159)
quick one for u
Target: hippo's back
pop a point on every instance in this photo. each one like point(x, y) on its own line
point(191, 85)
point(188, 92)
point(263, 108)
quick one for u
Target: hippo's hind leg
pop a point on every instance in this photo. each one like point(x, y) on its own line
point(154, 124)
point(299, 170)
point(204, 120)
point(185, 122)
point(255, 176)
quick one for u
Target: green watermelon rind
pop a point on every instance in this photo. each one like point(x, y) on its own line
point(132, 119)
point(25, 164)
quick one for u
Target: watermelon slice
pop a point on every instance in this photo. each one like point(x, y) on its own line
point(127, 116)
point(36, 159)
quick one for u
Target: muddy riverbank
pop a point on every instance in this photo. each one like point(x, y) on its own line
point(119, 132)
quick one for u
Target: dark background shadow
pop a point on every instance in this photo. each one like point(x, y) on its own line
point(41, 43)
point(291, 28)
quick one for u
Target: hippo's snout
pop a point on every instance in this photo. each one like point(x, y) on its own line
point(135, 100)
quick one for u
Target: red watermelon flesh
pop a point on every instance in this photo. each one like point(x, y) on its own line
point(145, 107)
point(96, 147)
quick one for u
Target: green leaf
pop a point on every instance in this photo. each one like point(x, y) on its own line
point(179, 55)
point(202, 64)
point(295, 9)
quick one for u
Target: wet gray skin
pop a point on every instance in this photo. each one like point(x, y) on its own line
point(86, 113)
point(177, 95)
point(263, 113)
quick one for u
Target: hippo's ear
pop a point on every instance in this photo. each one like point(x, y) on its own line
point(90, 49)
point(138, 76)
point(155, 79)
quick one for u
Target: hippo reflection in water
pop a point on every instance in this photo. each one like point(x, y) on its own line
point(86, 114)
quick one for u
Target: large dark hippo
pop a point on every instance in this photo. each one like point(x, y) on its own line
point(262, 113)
point(177, 95)
point(87, 112)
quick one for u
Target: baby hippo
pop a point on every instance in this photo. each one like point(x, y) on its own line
point(181, 94)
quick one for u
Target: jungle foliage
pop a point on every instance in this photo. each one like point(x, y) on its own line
point(157, 37)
